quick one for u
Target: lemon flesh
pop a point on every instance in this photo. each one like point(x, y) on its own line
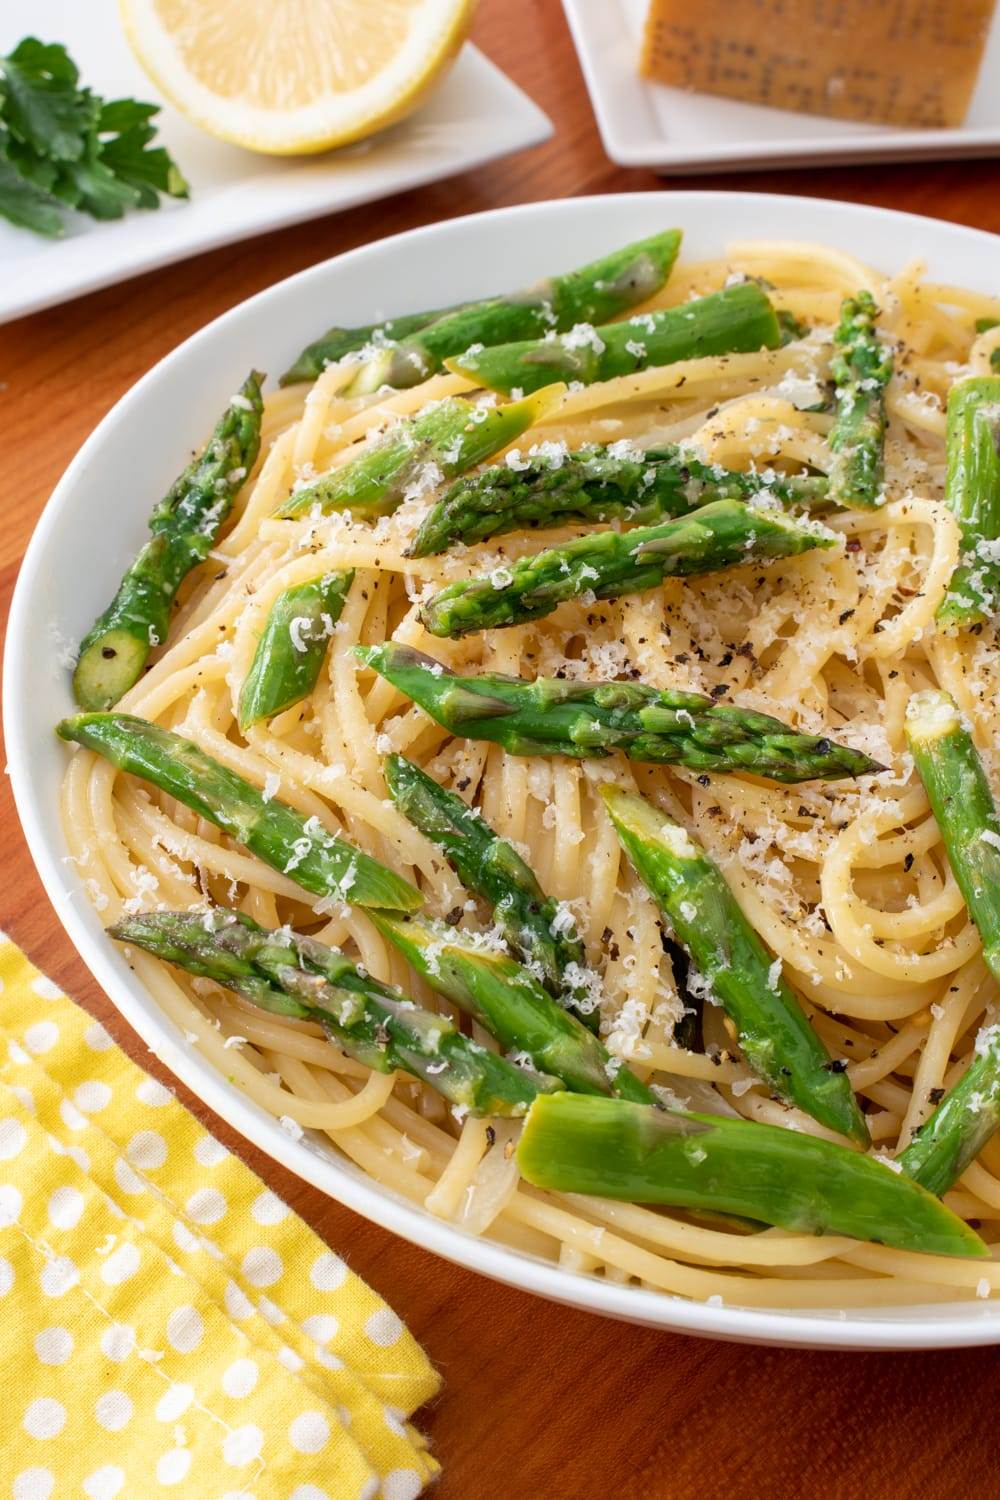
point(286, 76)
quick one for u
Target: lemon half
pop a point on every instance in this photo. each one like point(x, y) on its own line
point(286, 76)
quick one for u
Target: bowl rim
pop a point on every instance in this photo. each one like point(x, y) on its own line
point(931, 1326)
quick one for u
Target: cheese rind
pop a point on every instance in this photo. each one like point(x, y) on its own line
point(912, 63)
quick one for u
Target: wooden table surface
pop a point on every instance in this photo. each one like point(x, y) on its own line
point(538, 1401)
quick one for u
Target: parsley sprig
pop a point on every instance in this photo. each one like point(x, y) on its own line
point(62, 146)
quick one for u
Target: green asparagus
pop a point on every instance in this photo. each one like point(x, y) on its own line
point(607, 564)
point(738, 320)
point(509, 1003)
point(531, 923)
point(612, 1149)
point(588, 720)
point(701, 911)
point(551, 488)
point(293, 976)
point(292, 646)
point(961, 800)
point(594, 293)
point(861, 369)
point(972, 494)
point(336, 342)
point(792, 328)
point(968, 1115)
point(440, 442)
point(184, 527)
point(276, 833)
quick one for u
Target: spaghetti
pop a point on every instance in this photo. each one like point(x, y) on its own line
point(846, 883)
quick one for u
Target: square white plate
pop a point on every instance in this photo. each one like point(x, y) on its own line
point(474, 116)
point(647, 124)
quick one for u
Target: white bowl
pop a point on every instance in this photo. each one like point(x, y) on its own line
point(96, 519)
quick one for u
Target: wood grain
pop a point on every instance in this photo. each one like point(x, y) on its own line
point(538, 1401)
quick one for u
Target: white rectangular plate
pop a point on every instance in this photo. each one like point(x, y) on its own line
point(647, 124)
point(474, 116)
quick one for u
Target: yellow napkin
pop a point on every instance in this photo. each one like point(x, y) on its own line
point(168, 1326)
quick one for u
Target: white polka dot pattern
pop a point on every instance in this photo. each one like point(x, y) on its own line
point(54, 1345)
point(11, 1202)
point(44, 1418)
point(151, 1091)
point(309, 1432)
point(113, 1410)
point(65, 1207)
point(190, 1334)
point(185, 1329)
point(327, 1272)
point(269, 1209)
point(174, 1402)
point(41, 1037)
point(173, 1466)
point(121, 1264)
point(12, 1139)
point(384, 1328)
point(147, 1149)
point(92, 1097)
point(261, 1266)
point(321, 1327)
point(118, 1341)
point(206, 1206)
point(209, 1152)
point(104, 1483)
point(402, 1484)
point(240, 1377)
point(59, 1276)
point(242, 1445)
point(33, 1484)
point(97, 1038)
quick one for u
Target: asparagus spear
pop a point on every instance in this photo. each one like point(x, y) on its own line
point(594, 293)
point(701, 911)
point(861, 369)
point(594, 484)
point(972, 493)
point(510, 1003)
point(184, 527)
point(607, 564)
point(290, 975)
point(613, 1149)
point(292, 646)
point(792, 328)
point(588, 720)
point(739, 319)
point(277, 834)
point(953, 1136)
point(336, 342)
point(413, 455)
point(530, 922)
point(963, 805)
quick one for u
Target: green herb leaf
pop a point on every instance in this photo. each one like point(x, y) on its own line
point(26, 205)
point(63, 146)
point(149, 170)
point(92, 186)
point(43, 107)
point(122, 114)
